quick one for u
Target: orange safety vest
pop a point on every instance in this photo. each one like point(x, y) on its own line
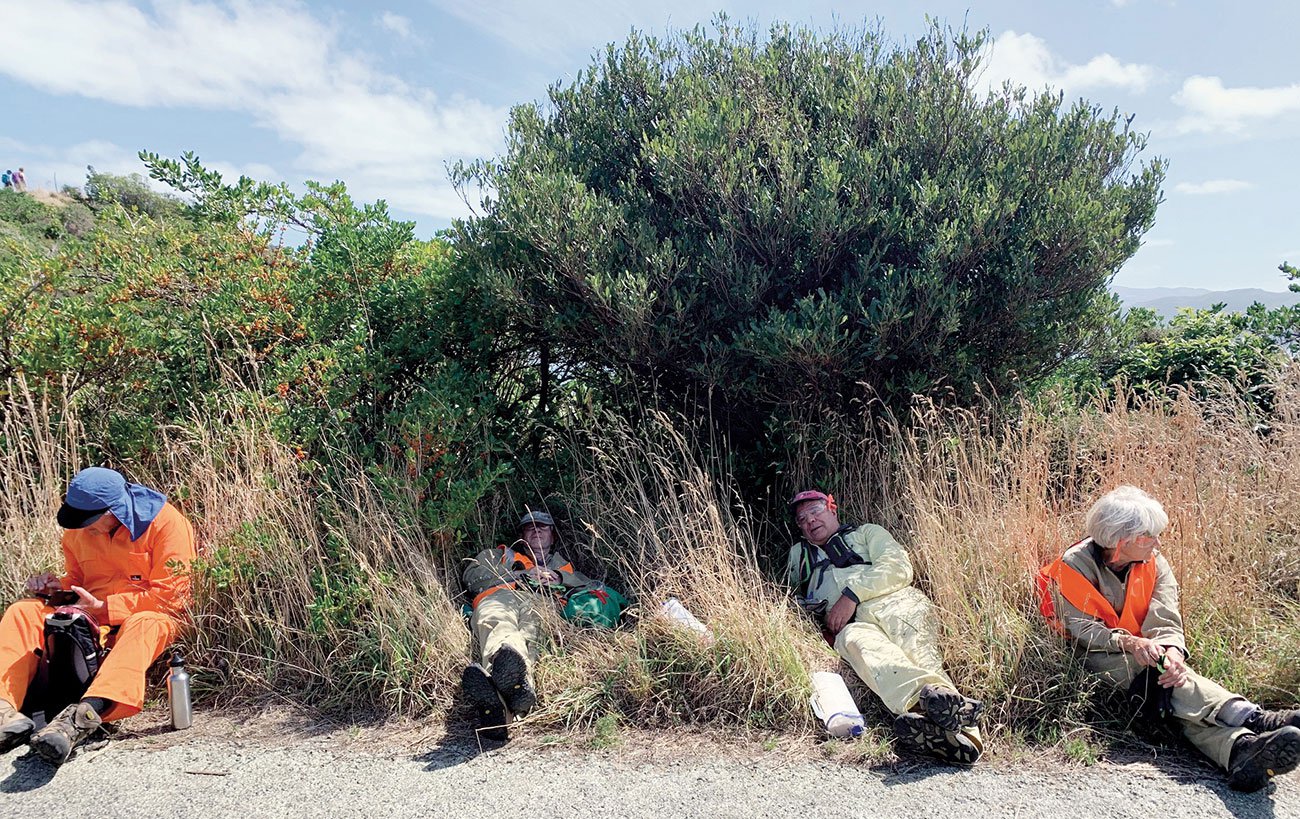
point(1076, 588)
point(520, 558)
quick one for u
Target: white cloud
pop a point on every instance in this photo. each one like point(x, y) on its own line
point(275, 62)
point(1210, 107)
point(1026, 60)
point(396, 24)
point(558, 31)
point(1158, 243)
point(1212, 186)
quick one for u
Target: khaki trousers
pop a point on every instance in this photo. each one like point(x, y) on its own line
point(1196, 703)
point(892, 643)
point(506, 618)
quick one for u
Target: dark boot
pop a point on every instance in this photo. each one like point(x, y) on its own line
point(1257, 758)
point(65, 732)
point(1265, 721)
point(15, 727)
point(489, 708)
point(510, 675)
point(920, 735)
point(948, 709)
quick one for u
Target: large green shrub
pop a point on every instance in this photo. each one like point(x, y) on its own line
point(1199, 349)
point(340, 337)
point(779, 225)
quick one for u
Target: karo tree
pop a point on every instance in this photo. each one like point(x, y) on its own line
point(776, 224)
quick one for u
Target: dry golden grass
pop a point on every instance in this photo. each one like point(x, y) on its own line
point(324, 592)
point(319, 587)
point(38, 441)
point(981, 507)
point(667, 527)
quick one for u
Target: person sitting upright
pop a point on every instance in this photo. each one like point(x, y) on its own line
point(127, 555)
point(1116, 597)
point(857, 582)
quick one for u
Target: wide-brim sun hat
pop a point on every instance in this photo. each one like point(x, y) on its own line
point(96, 490)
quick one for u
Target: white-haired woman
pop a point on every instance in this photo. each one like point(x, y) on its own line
point(1115, 596)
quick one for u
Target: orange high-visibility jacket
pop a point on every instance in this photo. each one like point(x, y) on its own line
point(1074, 587)
point(149, 574)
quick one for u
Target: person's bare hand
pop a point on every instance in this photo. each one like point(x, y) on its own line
point(1175, 669)
point(1146, 652)
point(43, 583)
point(544, 575)
point(90, 604)
point(841, 613)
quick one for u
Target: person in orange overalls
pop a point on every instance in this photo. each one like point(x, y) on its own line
point(127, 554)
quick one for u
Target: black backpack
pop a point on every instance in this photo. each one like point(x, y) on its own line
point(69, 660)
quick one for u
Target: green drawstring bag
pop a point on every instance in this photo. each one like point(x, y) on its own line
point(596, 606)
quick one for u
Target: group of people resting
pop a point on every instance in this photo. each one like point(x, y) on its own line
point(127, 551)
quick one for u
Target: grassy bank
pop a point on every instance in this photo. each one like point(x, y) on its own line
point(325, 586)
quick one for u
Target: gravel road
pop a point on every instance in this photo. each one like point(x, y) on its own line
point(200, 775)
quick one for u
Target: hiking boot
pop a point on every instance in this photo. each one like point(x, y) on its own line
point(490, 709)
point(948, 709)
point(920, 735)
point(1265, 721)
point(1257, 758)
point(15, 727)
point(510, 675)
point(55, 741)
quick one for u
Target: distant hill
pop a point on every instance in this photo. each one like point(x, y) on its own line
point(1167, 300)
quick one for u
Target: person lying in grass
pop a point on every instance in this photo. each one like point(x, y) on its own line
point(1115, 596)
point(856, 581)
point(127, 554)
point(503, 585)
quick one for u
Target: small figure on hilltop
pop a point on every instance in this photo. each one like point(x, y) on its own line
point(7, 178)
point(856, 581)
point(20, 181)
point(505, 584)
point(1116, 597)
point(126, 553)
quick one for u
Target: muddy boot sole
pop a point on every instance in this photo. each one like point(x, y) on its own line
point(1269, 755)
point(54, 748)
point(489, 708)
point(950, 710)
point(510, 673)
point(918, 734)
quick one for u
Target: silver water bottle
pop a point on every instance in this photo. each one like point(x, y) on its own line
point(178, 692)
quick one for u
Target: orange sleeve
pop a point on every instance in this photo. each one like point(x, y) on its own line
point(72, 575)
point(171, 543)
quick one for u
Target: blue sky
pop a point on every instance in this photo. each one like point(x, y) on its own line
point(383, 95)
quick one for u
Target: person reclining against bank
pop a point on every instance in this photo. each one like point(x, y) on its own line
point(503, 584)
point(1115, 596)
point(127, 554)
point(856, 581)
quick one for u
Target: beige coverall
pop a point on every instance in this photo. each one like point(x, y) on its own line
point(1197, 701)
point(892, 640)
point(503, 608)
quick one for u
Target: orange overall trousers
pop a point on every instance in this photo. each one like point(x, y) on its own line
point(145, 584)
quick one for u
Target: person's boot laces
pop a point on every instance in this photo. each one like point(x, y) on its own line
point(1265, 721)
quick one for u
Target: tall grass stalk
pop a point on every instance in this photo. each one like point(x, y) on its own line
point(670, 528)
